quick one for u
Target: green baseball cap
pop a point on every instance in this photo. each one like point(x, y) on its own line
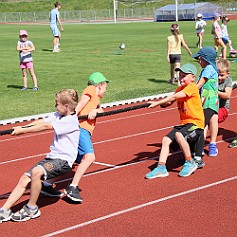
point(96, 78)
point(188, 68)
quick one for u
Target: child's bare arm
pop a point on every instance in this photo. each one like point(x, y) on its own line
point(94, 112)
point(25, 49)
point(83, 101)
point(186, 46)
point(225, 94)
point(168, 100)
point(201, 82)
point(35, 128)
point(60, 23)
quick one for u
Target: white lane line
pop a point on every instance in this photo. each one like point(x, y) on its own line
point(106, 121)
point(134, 208)
point(118, 166)
point(23, 158)
point(103, 164)
point(135, 116)
point(133, 135)
point(95, 143)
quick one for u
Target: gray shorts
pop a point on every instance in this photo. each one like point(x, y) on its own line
point(175, 58)
point(52, 168)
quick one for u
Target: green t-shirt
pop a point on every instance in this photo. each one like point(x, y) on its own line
point(209, 91)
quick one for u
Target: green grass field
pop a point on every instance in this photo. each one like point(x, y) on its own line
point(140, 70)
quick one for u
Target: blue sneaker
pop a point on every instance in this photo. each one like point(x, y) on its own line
point(188, 168)
point(159, 171)
point(213, 151)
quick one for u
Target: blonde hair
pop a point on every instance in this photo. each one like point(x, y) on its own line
point(68, 96)
point(175, 31)
point(223, 65)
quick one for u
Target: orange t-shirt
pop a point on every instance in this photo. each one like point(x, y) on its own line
point(190, 107)
point(93, 103)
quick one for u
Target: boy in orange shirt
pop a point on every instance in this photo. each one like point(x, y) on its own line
point(191, 123)
point(88, 104)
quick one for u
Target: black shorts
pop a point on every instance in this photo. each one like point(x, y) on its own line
point(175, 58)
point(208, 113)
point(190, 132)
point(52, 168)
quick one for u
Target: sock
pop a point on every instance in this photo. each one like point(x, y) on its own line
point(31, 208)
point(189, 158)
point(72, 185)
point(198, 158)
point(161, 163)
point(47, 184)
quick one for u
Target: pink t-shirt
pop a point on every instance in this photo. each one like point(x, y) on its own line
point(216, 30)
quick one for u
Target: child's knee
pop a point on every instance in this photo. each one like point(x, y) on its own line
point(36, 172)
point(166, 141)
point(24, 180)
point(90, 157)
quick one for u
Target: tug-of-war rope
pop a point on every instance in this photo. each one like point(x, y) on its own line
point(108, 113)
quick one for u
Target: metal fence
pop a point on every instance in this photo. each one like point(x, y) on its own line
point(93, 15)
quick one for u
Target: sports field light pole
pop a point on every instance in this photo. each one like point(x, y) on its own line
point(176, 10)
point(115, 8)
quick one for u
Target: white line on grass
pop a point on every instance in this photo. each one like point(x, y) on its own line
point(134, 208)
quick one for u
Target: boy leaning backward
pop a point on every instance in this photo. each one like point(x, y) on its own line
point(63, 152)
point(89, 104)
point(191, 123)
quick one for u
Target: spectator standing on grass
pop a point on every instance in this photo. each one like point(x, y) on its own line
point(63, 152)
point(208, 85)
point(175, 42)
point(25, 48)
point(191, 123)
point(200, 24)
point(54, 21)
point(216, 31)
point(89, 104)
point(225, 34)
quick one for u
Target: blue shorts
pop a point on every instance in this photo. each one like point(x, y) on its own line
point(55, 30)
point(85, 145)
point(225, 40)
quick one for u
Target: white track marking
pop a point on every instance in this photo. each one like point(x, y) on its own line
point(108, 140)
point(23, 158)
point(104, 164)
point(115, 167)
point(134, 116)
point(133, 135)
point(134, 208)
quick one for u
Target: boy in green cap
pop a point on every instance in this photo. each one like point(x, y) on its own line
point(191, 123)
point(89, 104)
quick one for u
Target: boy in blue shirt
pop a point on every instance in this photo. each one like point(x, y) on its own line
point(208, 85)
point(54, 20)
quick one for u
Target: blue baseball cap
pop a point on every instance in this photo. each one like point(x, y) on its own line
point(216, 15)
point(208, 54)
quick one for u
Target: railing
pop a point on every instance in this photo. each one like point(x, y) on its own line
point(93, 15)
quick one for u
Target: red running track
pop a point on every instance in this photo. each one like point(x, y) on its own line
point(118, 200)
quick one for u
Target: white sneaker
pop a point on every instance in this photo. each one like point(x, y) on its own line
point(57, 50)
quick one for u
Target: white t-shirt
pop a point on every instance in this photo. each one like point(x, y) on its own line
point(25, 57)
point(66, 137)
point(224, 31)
point(200, 26)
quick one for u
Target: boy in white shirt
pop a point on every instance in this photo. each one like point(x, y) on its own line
point(63, 152)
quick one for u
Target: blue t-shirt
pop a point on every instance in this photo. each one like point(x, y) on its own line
point(54, 15)
point(209, 91)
